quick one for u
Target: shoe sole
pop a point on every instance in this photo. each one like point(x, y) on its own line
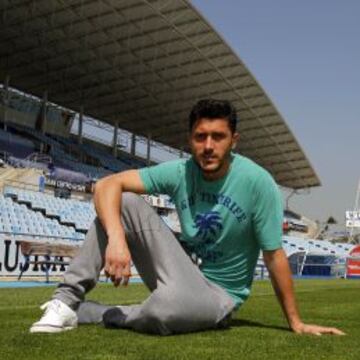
point(50, 329)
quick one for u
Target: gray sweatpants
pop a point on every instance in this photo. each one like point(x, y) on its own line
point(181, 300)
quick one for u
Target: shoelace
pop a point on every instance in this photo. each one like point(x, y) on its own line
point(50, 306)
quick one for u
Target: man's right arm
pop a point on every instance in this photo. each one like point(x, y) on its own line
point(107, 200)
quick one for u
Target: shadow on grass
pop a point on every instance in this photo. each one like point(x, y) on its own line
point(234, 323)
point(248, 323)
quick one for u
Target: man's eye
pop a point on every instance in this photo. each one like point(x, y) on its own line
point(218, 137)
point(200, 137)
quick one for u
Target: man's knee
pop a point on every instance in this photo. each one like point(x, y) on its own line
point(178, 313)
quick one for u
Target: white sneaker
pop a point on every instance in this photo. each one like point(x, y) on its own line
point(58, 317)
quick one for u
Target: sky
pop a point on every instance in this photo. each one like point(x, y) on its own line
point(306, 56)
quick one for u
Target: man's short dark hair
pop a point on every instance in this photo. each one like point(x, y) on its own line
point(213, 109)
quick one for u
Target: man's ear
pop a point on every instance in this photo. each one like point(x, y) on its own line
point(235, 140)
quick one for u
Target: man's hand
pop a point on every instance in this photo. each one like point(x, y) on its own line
point(280, 273)
point(107, 200)
point(302, 328)
point(117, 262)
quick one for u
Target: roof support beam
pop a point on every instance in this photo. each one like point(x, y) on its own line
point(133, 145)
point(5, 101)
point(115, 138)
point(80, 127)
point(148, 150)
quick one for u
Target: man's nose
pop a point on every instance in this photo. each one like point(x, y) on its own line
point(209, 144)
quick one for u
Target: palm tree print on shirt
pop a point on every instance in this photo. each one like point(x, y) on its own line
point(208, 225)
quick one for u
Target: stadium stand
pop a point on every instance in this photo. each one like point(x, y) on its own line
point(26, 163)
point(58, 155)
point(106, 160)
point(18, 219)
point(15, 144)
point(62, 151)
point(79, 214)
point(55, 216)
point(309, 257)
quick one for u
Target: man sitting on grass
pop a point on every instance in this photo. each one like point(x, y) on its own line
point(229, 209)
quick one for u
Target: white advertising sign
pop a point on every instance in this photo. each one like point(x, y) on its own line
point(352, 218)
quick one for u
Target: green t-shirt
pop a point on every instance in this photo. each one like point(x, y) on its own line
point(225, 222)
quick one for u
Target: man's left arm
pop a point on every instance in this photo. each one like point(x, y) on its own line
point(281, 278)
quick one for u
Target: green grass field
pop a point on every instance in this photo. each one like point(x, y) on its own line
point(258, 330)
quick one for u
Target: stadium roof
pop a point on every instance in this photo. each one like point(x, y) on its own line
point(143, 64)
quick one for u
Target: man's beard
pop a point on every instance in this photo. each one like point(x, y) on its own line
point(225, 159)
point(211, 171)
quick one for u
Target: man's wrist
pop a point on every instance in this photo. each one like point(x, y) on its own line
point(115, 235)
point(296, 324)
